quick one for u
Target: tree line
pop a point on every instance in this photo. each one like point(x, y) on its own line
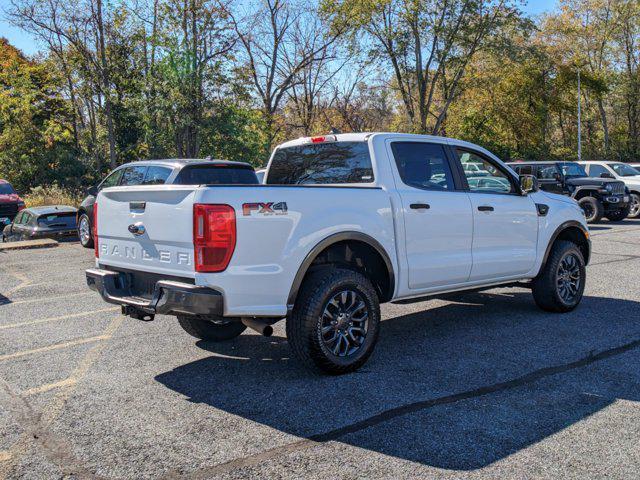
point(123, 80)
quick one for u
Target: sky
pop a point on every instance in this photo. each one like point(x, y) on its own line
point(27, 44)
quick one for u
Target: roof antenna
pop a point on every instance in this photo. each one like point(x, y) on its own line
point(334, 131)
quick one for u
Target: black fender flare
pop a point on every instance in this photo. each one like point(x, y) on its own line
point(327, 242)
point(587, 188)
point(564, 226)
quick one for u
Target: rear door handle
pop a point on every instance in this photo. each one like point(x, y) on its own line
point(420, 206)
point(485, 208)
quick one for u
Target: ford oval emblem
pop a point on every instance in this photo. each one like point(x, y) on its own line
point(137, 229)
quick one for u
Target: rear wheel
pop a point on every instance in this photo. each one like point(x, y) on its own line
point(560, 284)
point(592, 208)
point(213, 329)
point(84, 231)
point(634, 209)
point(335, 322)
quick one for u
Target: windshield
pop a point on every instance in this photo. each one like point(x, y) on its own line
point(55, 220)
point(6, 189)
point(624, 170)
point(216, 175)
point(572, 170)
point(321, 163)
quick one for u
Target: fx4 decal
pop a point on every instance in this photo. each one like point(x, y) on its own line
point(270, 208)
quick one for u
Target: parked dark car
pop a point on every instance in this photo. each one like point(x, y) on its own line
point(158, 172)
point(57, 222)
point(596, 196)
point(10, 203)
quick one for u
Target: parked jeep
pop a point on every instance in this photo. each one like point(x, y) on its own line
point(619, 171)
point(597, 197)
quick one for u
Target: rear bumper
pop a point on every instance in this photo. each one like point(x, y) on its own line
point(169, 297)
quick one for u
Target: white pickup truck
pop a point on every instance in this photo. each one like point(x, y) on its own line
point(341, 224)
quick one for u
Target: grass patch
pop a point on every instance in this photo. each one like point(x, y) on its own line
point(52, 195)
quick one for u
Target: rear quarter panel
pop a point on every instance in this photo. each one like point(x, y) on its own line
point(271, 246)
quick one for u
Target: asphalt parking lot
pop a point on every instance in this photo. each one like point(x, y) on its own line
point(486, 386)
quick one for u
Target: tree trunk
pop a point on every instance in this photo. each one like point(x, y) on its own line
point(104, 77)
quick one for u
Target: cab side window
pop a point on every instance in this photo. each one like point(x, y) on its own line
point(112, 180)
point(549, 172)
point(524, 169)
point(423, 165)
point(133, 176)
point(483, 175)
point(597, 170)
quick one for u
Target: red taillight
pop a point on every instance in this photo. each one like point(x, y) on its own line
point(324, 138)
point(95, 230)
point(214, 236)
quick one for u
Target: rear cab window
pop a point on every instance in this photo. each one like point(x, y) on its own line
point(321, 164)
point(218, 174)
point(156, 175)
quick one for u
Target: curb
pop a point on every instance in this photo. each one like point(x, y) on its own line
point(28, 244)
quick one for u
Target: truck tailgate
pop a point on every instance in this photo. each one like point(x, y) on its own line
point(149, 228)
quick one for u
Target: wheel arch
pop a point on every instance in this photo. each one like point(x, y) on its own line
point(582, 192)
point(379, 268)
point(573, 231)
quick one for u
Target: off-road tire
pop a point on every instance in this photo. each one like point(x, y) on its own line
point(304, 325)
point(545, 285)
point(593, 209)
point(619, 215)
point(85, 242)
point(209, 330)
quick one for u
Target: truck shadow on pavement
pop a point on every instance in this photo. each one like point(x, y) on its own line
point(455, 386)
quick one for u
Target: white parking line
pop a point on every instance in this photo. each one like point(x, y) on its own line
point(67, 382)
point(44, 299)
point(56, 346)
point(55, 319)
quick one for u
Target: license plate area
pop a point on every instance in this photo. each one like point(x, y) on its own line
point(143, 284)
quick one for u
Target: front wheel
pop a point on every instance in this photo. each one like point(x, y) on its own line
point(335, 321)
point(592, 208)
point(634, 210)
point(560, 284)
point(212, 329)
point(84, 231)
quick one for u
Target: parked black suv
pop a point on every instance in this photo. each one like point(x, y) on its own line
point(598, 197)
point(160, 172)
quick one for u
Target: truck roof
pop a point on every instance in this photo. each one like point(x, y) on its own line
point(364, 136)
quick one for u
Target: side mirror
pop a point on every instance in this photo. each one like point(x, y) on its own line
point(557, 177)
point(606, 175)
point(528, 184)
point(93, 191)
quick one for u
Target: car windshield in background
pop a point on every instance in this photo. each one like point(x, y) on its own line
point(58, 220)
point(6, 189)
point(572, 170)
point(322, 163)
point(624, 170)
point(216, 175)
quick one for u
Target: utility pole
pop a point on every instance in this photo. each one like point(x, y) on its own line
point(579, 123)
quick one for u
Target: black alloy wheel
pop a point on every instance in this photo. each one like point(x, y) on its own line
point(345, 322)
point(569, 278)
